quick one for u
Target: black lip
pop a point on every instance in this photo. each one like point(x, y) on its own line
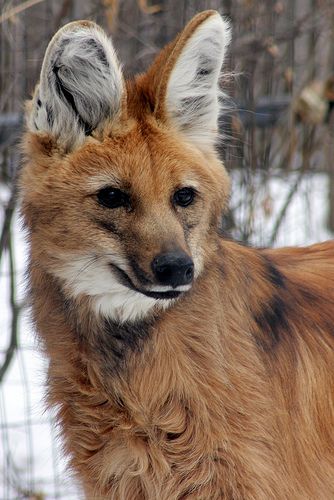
point(172, 294)
point(126, 281)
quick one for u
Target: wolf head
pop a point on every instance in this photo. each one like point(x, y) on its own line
point(123, 190)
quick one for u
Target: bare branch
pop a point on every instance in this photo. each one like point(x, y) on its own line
point(15, 310)
point(18, 9)
point(285, 207)
point(8, 215)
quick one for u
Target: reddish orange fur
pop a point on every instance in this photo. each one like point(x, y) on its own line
point(231, 395)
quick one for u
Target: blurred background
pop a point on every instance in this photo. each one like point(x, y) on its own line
point(277, 143)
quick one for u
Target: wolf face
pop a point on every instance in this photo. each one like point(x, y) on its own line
point(123, 188)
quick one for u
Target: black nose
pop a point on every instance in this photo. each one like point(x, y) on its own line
point(173, 268)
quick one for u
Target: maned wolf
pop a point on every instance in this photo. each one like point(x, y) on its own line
point(181, 364)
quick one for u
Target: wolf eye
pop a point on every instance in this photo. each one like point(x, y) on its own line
point(184, 197)
point(113, 198)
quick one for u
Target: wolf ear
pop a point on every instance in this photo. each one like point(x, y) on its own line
point(81, 84)
point(189, 92)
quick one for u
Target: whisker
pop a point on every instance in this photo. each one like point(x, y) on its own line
point(92, 260)
point(84, 268)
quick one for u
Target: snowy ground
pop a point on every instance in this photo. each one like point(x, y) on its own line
point(30, 459)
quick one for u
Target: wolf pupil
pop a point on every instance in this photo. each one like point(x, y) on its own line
point(184, 197)
point(112, 198)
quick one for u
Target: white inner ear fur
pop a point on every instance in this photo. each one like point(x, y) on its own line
point(81, 84)
point(192, 98)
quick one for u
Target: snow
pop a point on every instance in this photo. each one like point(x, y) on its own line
point(305, 218)
point(30, 455)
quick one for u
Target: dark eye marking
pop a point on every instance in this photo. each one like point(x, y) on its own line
point(111, 197)
point(184, 197)
point(203, 72)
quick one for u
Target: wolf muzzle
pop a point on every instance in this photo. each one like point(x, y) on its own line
point(173, 268)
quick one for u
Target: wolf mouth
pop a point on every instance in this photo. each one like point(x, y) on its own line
point(171, 294)
point(126, 281)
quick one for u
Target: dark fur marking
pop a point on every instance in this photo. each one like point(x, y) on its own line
point(49, 115)
point(141, 275)
point(39, 103)
point(114, 340)
point(275, 276)
point(273, 322)
point(203, 72)
point(103, 403)
point(190, 225)
point(109, 340)
point(171, 436)
point(108, 226)
point(91, 42)
point(122, 277)
point(65, 94)
point(205, 67)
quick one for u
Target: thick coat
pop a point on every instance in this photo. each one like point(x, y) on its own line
point(221, 387)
